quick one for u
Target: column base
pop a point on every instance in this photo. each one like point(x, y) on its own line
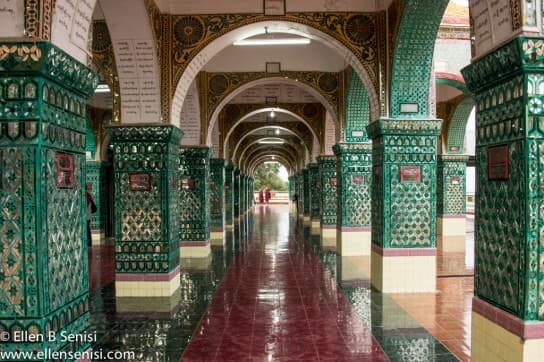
point(135, 307)
point(98, 237)
point(316, 227)
point(410, 270)
point(328, 236)
point(498, 335)
point(217, 237)
point(451, 230)
point(195, 249)
point(353, 270)
point(229, 227)
point(353, 241)
point(196, 264)
point(147, 284)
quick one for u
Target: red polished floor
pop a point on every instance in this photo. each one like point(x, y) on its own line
point(101, 266)
point(278, 303)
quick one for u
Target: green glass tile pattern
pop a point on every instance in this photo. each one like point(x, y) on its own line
point(315, 191)
point(194, 200)
point(300, 190)
point(90, 143)
point(217, 193)
point(43, 253)
point(451, 185)
point(229, 194)
point(236, 193)
point(455, 137)
point(357, 110)
point(354, 174)
point(508, 89)
point(413, 57)
point(96, 176)
point(292, 186)
point(146, 230)
point(306, 192)
point(404, 186)
point(327, 175)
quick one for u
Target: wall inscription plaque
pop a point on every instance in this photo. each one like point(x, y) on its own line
point(497, 163)
point(139, 181)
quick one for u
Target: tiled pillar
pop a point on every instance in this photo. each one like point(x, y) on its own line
point(291, 181)
point(43, 248)
point(315, 197)
point(146, 212)
point(327, 175)
point(508, 304)
point(353, 215)
point(451, 202)
point(229, 197)
point(236, 197)
point(404, 204)
point(306, 191)
point(217, 201)
point(194, 201)
point(242, 201)
point(300, 190)
point(96, 181)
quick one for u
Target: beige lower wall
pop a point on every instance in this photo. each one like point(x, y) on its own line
point(147, 289)
point(98, 238)
point(451, 226)
point(403, 274)
point(195, 251)
point(491, 342)
point(217, 238)
point(353, 243)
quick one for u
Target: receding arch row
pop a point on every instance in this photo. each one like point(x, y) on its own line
point(254, 147)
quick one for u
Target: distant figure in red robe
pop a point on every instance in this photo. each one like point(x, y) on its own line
point(261, 197)
point(267, 195)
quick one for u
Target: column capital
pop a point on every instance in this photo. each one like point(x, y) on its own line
point(326, 158)
point(453, 158)
point(148, 132)
point(47, 60)
point(342, 148)
point(198, 151)
point(393, 127)
point(520, 55)
point(218, 162)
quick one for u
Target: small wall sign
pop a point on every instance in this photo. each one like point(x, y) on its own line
point(188, 184)
point(497, 163)
point(64, 171)
point(455, 180)
point(332, 181)
point(411, 173)
point(139, 181)
point(357, 179)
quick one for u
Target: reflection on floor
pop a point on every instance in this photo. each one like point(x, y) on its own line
point(278, 295)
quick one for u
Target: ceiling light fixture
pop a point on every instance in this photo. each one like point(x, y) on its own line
point(277, 131)
point(271, 141)
point(269, 39)
point(272, 114)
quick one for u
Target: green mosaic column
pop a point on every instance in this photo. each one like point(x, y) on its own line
point(315, 196)
point(96, 181)
point(329, 197)
point(291, 180)
point(451, 202)
point(194, 173)
point(146, 230)
point(242, 205)
point(229, 197)
point(404, 204)
point(353, 212)
point(43, 248)
point(300, 184)
point(217, 200)
point(236, 196)
point(508, 86)
point(307, 194)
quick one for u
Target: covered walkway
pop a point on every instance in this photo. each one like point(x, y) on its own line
point(278, 295)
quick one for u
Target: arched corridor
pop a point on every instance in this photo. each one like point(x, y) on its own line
point(407, 222)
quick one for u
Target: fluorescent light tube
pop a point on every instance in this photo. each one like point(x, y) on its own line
point(273, 41)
